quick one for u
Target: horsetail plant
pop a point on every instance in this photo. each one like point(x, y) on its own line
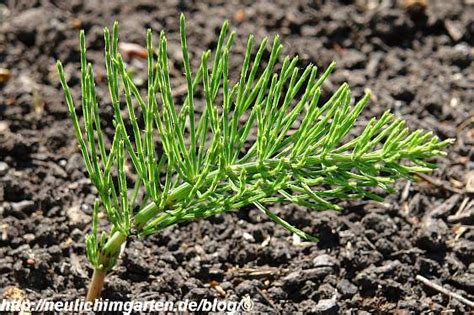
point(302, 154)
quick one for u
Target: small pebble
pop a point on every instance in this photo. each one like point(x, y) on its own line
point(324, 261)
point(248, 237)
point(326, 306)
point(22, 206)
point(3, 168)
point(29, 237)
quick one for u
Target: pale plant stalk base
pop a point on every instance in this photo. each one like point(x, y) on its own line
point(96, 285)
point(111, 251)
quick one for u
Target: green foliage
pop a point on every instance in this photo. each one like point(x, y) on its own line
point(302, 154)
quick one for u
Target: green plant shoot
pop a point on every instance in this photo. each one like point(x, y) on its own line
point(193, 165)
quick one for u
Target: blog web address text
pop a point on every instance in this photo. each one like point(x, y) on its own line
point(127, 307)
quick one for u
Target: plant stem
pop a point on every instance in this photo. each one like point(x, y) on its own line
point(110, 253)
point(96, 285)
point(152, 209)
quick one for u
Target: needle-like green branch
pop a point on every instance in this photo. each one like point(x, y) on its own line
point(209, 163)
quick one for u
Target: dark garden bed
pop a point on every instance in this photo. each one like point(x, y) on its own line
point(416, 59)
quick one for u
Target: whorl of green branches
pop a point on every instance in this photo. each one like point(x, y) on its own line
point(302, 153)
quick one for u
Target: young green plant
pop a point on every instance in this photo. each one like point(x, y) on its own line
point(194, 164)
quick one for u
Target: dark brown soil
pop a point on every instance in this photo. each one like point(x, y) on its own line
point(418, 63)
